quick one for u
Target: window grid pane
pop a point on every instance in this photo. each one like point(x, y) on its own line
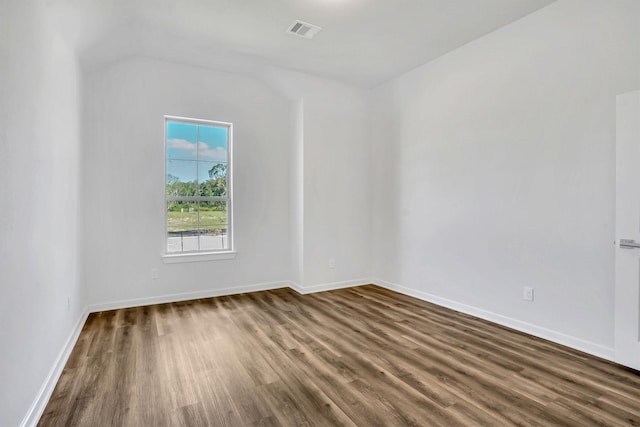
point(196, 187)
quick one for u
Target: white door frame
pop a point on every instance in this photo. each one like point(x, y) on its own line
point(627, 261)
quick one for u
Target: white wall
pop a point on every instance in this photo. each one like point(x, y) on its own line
point(336, 186)
point(494, 169)
point(124, 178)
point(39, 167)
point(300, 179)
point(332, 156)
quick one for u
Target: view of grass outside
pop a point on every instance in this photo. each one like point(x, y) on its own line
point(188, 218)
point(191, 227)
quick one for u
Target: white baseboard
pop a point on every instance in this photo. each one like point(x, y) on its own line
point(42, 398)
point(209, 293)
point(328, 286)
point(594, 349)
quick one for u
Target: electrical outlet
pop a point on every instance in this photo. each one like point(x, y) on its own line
point(68, 303)
point(332, 262)
point(154, 273)
point(527, 293)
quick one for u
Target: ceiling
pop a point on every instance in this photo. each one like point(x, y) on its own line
point(363, 42)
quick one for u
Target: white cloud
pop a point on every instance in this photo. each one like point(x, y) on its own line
point(216, 154)
point(183, 145)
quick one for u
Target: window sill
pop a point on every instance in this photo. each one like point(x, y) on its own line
point(198, 257)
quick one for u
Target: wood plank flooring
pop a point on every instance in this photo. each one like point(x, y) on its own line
point(363, 356)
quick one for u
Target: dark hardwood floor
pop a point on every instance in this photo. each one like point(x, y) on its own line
point(363, 356)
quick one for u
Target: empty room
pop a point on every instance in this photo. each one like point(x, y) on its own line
point(319, 212)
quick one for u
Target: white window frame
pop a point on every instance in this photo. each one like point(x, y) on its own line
point(207, 254)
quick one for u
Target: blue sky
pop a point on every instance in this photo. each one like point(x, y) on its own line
point(194, 149)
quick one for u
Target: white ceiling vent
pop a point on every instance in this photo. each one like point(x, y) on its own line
point(304, 29)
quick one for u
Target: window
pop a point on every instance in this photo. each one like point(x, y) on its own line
point(198, 186)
